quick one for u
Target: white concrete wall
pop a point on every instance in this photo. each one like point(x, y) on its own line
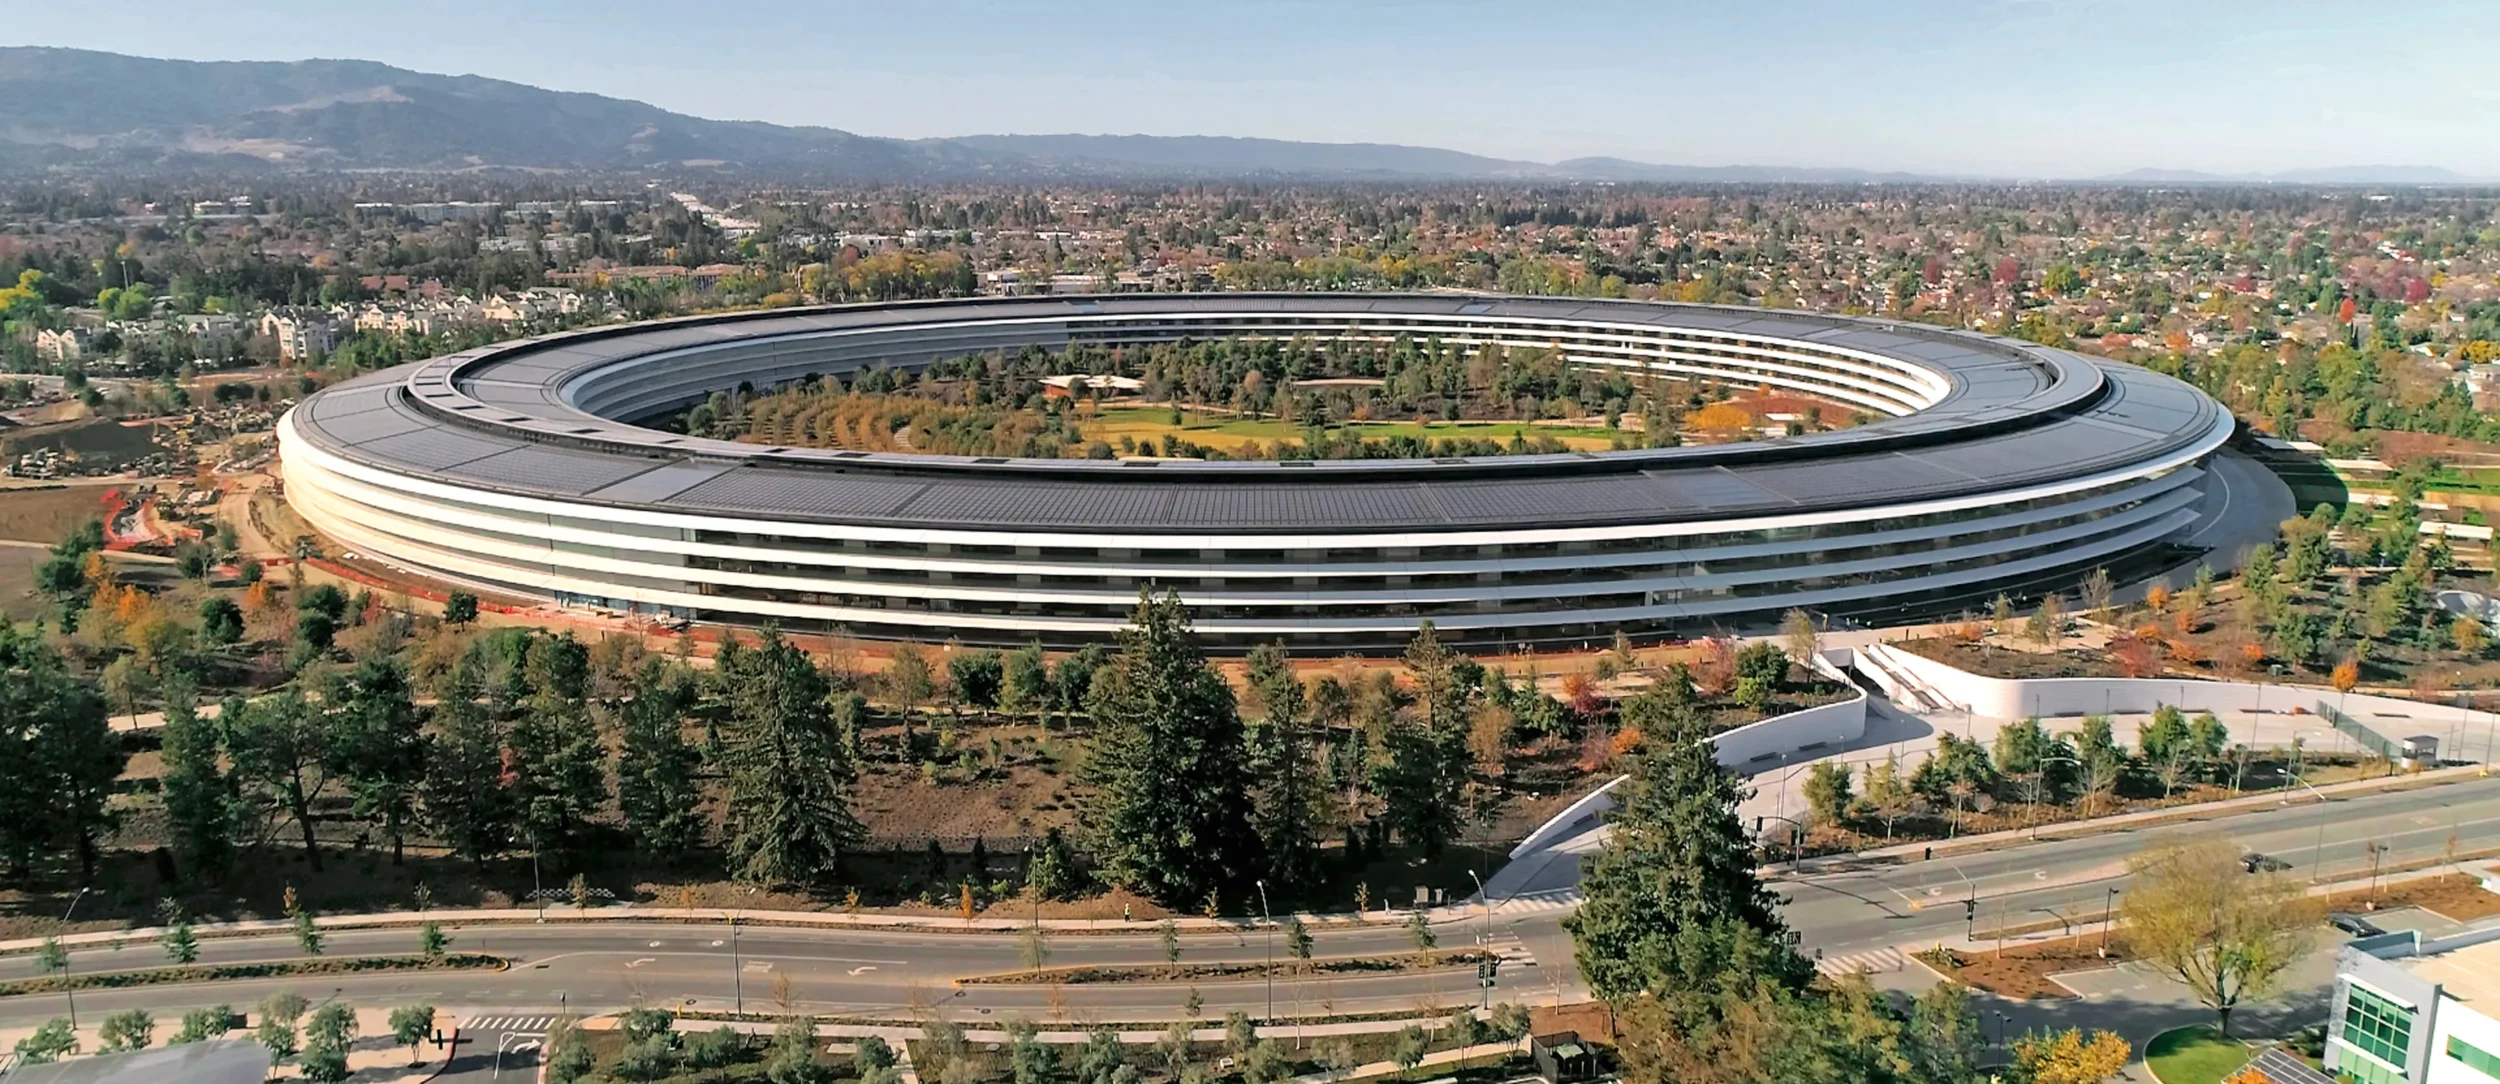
point(1827, 725)
point(2002, 698)
point(1572, 819)
point(1822, 727)
point(2462, 1020)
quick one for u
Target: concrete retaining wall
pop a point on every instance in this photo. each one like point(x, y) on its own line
point(2004, 698)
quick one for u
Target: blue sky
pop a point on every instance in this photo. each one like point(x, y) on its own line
point(2003, 87)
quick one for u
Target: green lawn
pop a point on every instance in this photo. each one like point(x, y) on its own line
point(2194, 1055)
point(1149, 423)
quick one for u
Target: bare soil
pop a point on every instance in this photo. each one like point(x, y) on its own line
point(2022, 971)
point(1991, 660)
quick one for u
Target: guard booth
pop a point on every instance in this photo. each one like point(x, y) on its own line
point(2418, 752)
point(1562, 1058)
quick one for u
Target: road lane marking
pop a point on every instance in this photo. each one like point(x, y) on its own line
point(640, 962)
point(863, 968)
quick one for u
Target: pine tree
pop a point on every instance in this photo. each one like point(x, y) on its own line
point(1288, 795)
point(467, 797)
point(656, 786)
point(789, 807)
point(199, 798)
point(1170, 767)
point(378, 741)
point(558, 763)
point(1421, 772)
point(1673, 896)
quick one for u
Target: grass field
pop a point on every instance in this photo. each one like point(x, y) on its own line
point(2194, 1055)
point(1143, 424)
point(48, 515)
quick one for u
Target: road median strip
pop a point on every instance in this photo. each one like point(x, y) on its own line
point(1221, 972)
point(162, 976)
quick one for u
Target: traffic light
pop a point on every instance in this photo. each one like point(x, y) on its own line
point(1486, 970)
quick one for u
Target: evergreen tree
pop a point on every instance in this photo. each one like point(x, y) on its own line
point(282, 761)
point(199, 798)
point(1673, 895)
point(558, 766)
point(1288, 795)
point(378, 741)
point(58, 755)
point(468, 800)
point(789, 808)
point(1170, 767)
point(1421, 770)
point(657, 789)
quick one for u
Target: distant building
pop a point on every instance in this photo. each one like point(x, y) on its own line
point(2416, 1010)
point(67, 344)
point(300, 335)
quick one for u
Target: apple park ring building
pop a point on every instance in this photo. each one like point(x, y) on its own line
point(1991, 465)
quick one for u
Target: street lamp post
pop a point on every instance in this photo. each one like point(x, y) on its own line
point(67, 987)
point(1269, 919)
point(1487, 899)
point(737, 985)
point(2109, 904)
point(2317, 852)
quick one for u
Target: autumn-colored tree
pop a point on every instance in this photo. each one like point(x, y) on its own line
point(2197, 916)
point(2185, 621)
point(1715, 672)
point(1721, 416)
point(2157, 597)
point(2133, 655)
point(2468, 635)
point(2070, 1057)
point(2252, 654)
point(2346, 676)
point(1581, 693)
point(2185, 652)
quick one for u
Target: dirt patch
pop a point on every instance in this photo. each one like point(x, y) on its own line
point(29, 514)
point(2457, 896)
point(2022, 971)
point(1593, 1020)
point(1990, 660)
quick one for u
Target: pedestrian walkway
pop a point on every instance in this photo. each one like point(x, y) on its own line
point(1873, 960)
point(1535, 903)
point(525, 1023)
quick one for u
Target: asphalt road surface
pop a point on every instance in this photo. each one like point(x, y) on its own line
point(1842, 914)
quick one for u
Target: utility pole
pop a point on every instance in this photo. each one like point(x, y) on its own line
point(66, 987)
point(737, 986)
point(1270, 969)
point(1486, 981)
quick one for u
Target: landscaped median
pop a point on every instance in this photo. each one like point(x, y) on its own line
point(270, 969)
point(2194, 1055)
point(1220, 972)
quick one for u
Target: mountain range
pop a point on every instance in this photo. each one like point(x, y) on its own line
point(85, 110)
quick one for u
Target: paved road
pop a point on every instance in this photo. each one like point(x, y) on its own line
point(1847, 915)
point(1851, 912)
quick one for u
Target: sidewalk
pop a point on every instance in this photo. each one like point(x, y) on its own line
point(2099, 825)
point(374, 1056)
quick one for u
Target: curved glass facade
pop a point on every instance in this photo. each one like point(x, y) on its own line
point(1726, 537)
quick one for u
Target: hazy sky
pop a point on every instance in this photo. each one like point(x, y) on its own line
point(2015, 87)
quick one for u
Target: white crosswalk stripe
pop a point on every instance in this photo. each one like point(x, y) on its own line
point(1561, 899)
point(1851, 963)
point(523, 1023)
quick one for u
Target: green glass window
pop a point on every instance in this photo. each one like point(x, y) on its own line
point(2376, 1026)
point(2475, 1058)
